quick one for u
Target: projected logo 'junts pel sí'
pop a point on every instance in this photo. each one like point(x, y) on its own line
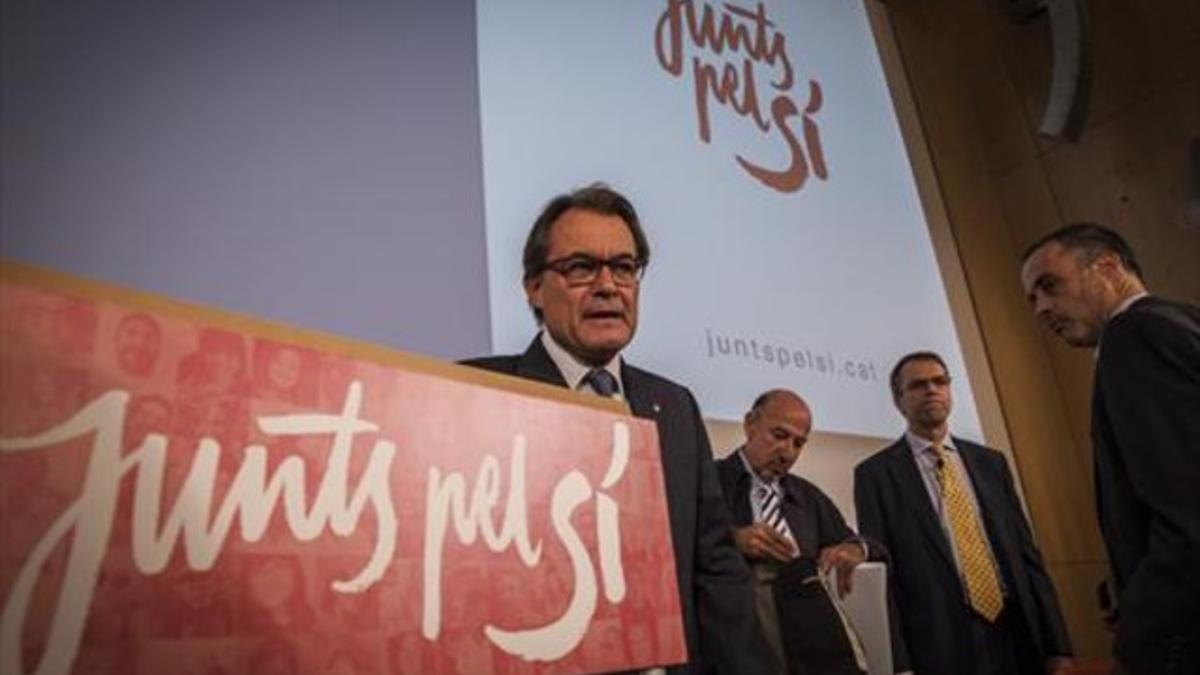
point(730, 48)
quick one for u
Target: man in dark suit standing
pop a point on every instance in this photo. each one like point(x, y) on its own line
point(1085, 285)
point(583, 264)
point(780, 516)
point(966, 576)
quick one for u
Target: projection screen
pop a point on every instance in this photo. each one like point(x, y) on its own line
point(761, 148)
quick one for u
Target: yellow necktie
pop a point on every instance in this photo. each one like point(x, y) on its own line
point(983, 588)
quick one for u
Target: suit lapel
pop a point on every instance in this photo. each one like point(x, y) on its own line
point(738, 479)
point(911, 486)
point(637, 394)
point(795, 505)
point(536, 364)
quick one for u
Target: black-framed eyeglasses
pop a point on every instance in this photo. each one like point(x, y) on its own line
point(581, 269)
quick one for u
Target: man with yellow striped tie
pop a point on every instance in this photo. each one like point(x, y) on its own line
point(966, 576)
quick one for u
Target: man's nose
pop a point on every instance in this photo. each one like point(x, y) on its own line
point(604, 280)
point(929, 386)
point(1041, 305)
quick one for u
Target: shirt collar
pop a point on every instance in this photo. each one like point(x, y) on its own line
point(1126, 304)
point(755, 480)
point(573, 370)
point(1120, 309)
point(920, 445)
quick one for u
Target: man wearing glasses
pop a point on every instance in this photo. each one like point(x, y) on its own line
point(583, 264)
point(966, 576)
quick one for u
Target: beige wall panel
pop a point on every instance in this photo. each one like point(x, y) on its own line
point(1133, 173)
point(1028, 204)
point(1055, 465)
point(1030, 211)
point(1139, 47)
point(1050, 427)
point(953, 41)
point(1026, 50)
point(1076, 585)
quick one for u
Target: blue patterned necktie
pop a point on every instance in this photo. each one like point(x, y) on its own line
point(602, 382)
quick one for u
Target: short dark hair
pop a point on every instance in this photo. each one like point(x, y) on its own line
point(924, 355)
point(1091, 240)
point(596, 198)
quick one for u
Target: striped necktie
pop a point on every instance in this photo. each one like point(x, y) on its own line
point(979, 574)
point(770, 513)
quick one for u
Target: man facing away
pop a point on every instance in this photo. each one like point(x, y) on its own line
point(780, 516)
point(1085, 285)
point(966, 576)
point(583, 264)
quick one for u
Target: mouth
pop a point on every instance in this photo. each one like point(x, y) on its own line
point(604, 315)
point(934, 407)
point(778, 469)
point(1057, 325)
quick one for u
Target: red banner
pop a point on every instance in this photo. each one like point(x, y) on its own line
point(184, 491)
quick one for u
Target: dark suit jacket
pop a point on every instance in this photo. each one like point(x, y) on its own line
point(815, 522)
point(814, 519)
point(1146, 433)
point(934, 619)
point(715, 589)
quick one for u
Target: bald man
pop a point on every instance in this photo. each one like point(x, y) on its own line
point(779, 516)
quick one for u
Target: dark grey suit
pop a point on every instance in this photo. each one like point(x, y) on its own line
point(1146, 433)
point(934, 619)
point(714, 583)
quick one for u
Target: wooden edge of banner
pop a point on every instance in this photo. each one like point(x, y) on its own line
point(11, 271)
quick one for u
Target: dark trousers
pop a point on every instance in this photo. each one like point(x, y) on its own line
point(1004, 647)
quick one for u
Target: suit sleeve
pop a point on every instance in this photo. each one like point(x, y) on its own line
point(730, 638)
point(1050, 628)
point(871, 524)
point(831, 525)
point(832, 528)
point(1149, 372)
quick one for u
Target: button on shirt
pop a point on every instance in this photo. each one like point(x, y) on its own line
point(923, 454)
